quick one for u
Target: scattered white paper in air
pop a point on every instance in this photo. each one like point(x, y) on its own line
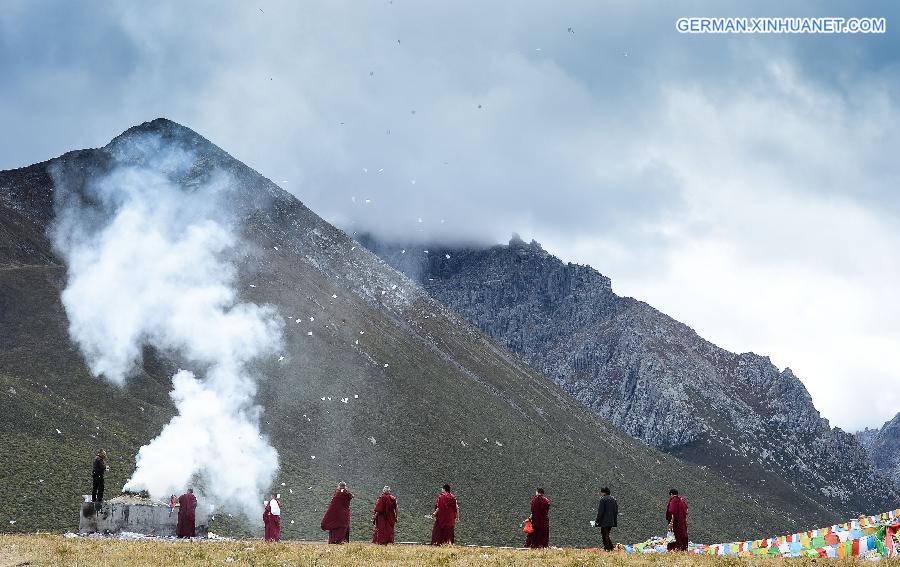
point(282, 484)
point(280, 358)
point(333, 296)
point(345, 400)
point(312, 319)
point(372, 440)
point(309, 333)
point(355, 396)
point(58, 431)
point(385, 365)
point(251, 285)
point(447, 256)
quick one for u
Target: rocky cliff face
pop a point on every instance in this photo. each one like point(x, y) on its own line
point(883, 447)
point(648, 373)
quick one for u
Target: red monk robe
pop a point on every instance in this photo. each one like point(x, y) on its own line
point(336, 520)
point(384, 516)
point(446, 512)
point(676, 515)
point(540, 521)
point(187, 508)
point(272, 520)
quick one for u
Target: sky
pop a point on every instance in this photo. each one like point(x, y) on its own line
point(746, 185)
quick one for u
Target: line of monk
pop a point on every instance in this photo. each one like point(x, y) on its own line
point(336, 520)
point(446, 514)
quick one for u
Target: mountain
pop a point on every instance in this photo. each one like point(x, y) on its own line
point(735, 414)
point(883, 447)
point(379, 384)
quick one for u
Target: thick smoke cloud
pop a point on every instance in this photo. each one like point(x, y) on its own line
point(147, 247)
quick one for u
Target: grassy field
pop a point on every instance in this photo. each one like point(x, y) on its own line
point(58, 550)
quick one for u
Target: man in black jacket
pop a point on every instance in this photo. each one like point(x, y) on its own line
point(98, 473)
point(607, 514)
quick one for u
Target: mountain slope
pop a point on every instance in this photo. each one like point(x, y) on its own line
point(883, 447)
point(414, 396)
point(653, 376)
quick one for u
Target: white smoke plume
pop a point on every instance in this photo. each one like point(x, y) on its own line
point(146, 247)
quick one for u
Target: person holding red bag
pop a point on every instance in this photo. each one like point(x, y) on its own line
point(539, 520)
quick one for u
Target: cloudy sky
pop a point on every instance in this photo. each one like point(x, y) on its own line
point(746, 185)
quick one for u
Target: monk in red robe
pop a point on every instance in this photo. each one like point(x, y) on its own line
point(384, 517)
point(187, 509)
point(540, 521)
point(336, 520)
point(446, 514)
point(272, 518)
point(676, 515)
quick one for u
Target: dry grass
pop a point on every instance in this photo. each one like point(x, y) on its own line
point(56, 550)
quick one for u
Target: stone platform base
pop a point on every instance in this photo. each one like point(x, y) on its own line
point(115, 517)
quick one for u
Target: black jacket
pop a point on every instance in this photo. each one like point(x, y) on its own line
point(607, 512)
point(99, 466)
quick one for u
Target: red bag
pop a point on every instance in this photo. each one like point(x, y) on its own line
point(528, 528)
